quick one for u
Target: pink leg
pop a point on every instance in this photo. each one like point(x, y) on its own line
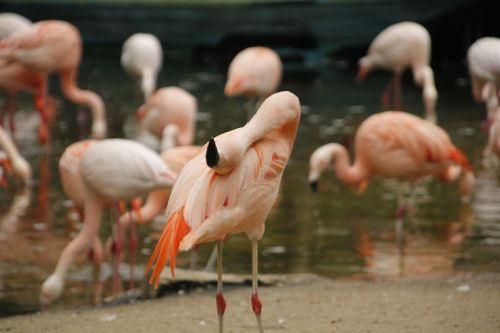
point(397, 91)
point(10, 107)
point(386, 96)
point(132, 243)
point(41, 105)
point(219, 298)
point(118, 252)
point(256, 304)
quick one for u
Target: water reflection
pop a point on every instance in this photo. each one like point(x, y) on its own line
point(337, 233)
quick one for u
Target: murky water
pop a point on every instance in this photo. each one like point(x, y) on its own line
point(335, 233)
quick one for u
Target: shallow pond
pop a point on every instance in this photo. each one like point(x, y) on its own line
point(335, 233)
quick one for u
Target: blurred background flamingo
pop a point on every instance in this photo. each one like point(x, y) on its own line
point(142, 58)
point(170, 115)
point(399, 46)
point(104, 172)
point(397, 145)
point(256, 73)
point(19, 165)
point(54, 47)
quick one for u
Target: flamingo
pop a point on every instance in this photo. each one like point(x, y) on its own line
point(399, 46)
point(54, 47)
point(12, 22)
point(109, 171)
point(170, 114)
point(483, 58)
point(230, 188)
point(142, 58)
point(398, 145)
point(19, 165)
point(255, 72)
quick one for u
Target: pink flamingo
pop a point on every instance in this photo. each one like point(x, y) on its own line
point(399, 145)
point(399, 46)
point(229, 189)
point(170, 114)
point(484, 69)
point(142, 58)
point(20, 166)
point(254, 72)
point(107, 171)
point(12, 22)
point(54, 47)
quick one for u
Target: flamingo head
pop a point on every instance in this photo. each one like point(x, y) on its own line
point(365, 66)
point(234, 86)
point(51, 289)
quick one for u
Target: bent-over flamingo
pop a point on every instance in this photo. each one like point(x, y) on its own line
point(230, 188)
point(55, 47)
point(109, 171)
point(170, 114)
point(398, 145)
point(397, 47)
point(142, 57)
point(255, 72)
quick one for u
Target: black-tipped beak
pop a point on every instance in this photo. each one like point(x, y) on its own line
point(212, 156)
point(314, 186)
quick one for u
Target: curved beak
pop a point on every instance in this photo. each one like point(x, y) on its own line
point(212, 155)
point(361, 74)
point(314, 186)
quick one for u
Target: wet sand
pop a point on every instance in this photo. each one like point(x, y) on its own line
point(466, 303)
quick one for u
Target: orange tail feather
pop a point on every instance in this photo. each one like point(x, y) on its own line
point(459, 157)
point(166, 250)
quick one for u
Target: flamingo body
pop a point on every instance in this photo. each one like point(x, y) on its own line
point(55, 47)
point(399, 46)
point(254, 72)
point(142, 58)
point(170, 114)
point(109, 171)
point(394, 144)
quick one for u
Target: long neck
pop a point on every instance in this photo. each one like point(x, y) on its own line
point(9, 147)
point(347, 173)
point(86, 97)
point(425, 77)
point(169, 137)
point(148, 83)
point(156, 201)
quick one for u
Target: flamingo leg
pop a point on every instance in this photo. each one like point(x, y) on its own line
point(219, 298)
point(400, 215)
point(118, 252)
point(132, 243)
point(209, 267)
point(386, 95)
point(8, 110)
point(397, 91)
point(40, 105)
point(256, 304)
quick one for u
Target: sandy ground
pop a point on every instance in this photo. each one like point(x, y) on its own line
point(469, 303)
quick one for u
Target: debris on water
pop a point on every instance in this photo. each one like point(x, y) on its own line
point(181, 292)
point(274, 250)
point(109, 317)
point(356, 109)
point(203, 323)
point(281, 322)
point(464, 288)
point(39, 226)
point(466, 131)
point(243, 303)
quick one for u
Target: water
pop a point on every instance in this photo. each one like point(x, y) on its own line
point(335, 233)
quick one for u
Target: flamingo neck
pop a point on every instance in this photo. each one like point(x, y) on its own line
point(148, 83)
point(169, 138)
point(347, 173)
point(424, 76)
point(156, 201)
point(9, 147)
point(85, 97)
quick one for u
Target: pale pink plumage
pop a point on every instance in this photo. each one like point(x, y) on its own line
point(399, 46)
point(96, 174)
point(254, 72)
point(142, 57)
point(397, 145)
point(20, 166)
point(55, 47)
point(234, 194)
point(170, 114)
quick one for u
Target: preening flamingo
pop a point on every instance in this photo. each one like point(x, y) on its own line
point(170, 114)
point(12, 22)
point(20, 166)
point(255, 72)
point(142, 57)
point(54, 47)
point(399, 46)
point(106, 172)
point(230, 188)
point(483, 58)
point(399, 145)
